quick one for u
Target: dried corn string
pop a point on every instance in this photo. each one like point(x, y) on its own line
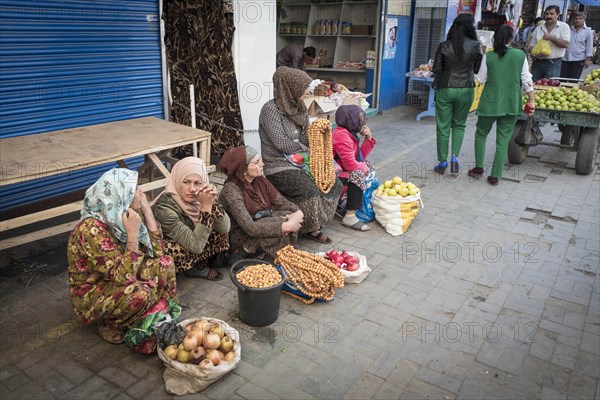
point(313, 275)
point(321, 154)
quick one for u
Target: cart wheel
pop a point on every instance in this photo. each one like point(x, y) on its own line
point(568, 134)
point(517, 154)
point(586, 152)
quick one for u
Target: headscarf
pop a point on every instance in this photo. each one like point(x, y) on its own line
point(107, 200)
point(351, 117)
point(182, 168)
point(258, 194)
point(289, 85)
point(251, 152)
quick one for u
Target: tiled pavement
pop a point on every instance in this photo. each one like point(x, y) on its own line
point(492, 293)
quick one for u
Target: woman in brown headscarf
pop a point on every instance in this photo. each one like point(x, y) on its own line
point(282, 128)
point(261, 218)
point(194, 223)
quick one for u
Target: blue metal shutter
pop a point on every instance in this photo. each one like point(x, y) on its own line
point(66, 64)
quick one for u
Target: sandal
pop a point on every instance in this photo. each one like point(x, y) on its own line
point(358, 226)
point(210, 274)
point(319, 237)
point(110, 334)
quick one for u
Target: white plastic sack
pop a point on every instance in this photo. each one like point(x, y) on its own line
point(396, 213)
point(355, 276)
point(183, 379)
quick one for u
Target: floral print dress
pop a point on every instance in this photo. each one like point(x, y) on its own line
point(110, 285)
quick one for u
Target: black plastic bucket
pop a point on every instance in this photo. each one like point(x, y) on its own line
point(258, 306)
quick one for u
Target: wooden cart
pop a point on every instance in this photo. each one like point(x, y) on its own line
point(580, 133)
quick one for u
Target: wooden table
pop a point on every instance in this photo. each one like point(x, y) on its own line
point(38, 156)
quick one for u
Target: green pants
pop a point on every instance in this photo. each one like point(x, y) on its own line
point(504, 130)
point(451, 110)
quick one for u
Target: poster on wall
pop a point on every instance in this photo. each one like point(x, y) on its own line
point(391, 37)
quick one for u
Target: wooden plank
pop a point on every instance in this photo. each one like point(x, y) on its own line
point(41, 155)
point(37, 235)
point(146, 187)
point(40, 216)
point(159, 165)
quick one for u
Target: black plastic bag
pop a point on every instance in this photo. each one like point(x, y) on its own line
point(530, 134)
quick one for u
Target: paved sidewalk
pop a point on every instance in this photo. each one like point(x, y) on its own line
point(492, 293)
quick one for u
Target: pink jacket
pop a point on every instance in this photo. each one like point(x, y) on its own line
point(345, 151)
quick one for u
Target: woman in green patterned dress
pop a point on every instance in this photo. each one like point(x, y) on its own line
point(117, 266)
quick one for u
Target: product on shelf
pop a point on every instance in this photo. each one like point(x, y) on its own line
point(350, 64)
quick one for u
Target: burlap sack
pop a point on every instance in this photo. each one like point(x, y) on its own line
point(183, 379)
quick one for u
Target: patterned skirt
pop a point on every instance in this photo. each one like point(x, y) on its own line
point(318, 208)
point(184, 260)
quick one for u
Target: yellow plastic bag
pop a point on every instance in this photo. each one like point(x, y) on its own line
point(541, 49)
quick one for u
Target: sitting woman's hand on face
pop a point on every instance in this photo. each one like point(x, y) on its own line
point(132, 222)
point(366, 132)
point(207, 194)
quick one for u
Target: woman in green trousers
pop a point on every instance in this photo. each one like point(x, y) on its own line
point(456, 61)
point(507, 74)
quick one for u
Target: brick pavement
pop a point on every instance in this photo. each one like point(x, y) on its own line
point(492, 293)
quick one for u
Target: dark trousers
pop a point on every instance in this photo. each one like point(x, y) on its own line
point(355, 195)
point(545, 68)
point(571, 69)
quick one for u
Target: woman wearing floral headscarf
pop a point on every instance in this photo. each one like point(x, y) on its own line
point(283, 123)
point(262, 219)
point(193, 221)
point(351, 156)
point(117, 266)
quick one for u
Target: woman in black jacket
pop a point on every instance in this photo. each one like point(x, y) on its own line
point(456, 61)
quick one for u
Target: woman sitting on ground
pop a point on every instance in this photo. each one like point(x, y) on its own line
point(194, 223)
point(283, 125)
point(351, 157)
point(117, 266)
point(262, 219)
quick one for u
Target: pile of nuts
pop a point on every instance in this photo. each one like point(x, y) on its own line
point(312, 274)
point(259, 276)
point(321, 154)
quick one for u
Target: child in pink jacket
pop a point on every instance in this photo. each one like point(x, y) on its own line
point(351, 157)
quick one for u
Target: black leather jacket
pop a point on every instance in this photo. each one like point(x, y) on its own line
point(451, 72)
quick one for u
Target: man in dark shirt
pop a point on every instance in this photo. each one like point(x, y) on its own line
point(293, 56)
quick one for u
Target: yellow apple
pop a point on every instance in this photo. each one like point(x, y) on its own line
point(397, 180)
point(388, 184)
point(391, 192)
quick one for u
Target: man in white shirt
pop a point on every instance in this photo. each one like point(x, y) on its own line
point(558, 34)
point(579, 53)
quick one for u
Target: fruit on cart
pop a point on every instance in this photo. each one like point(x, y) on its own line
point(592, 77)
point(547, 82)
point(566, 99)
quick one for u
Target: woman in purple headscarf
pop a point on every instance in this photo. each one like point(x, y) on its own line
point(351, 156)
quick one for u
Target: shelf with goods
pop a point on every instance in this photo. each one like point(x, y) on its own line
point(342, 32)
